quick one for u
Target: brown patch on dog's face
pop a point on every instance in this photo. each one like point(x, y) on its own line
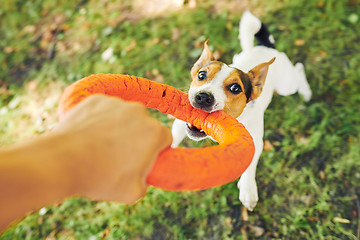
point(258, 75)
point(251, 87)
point(205, 58)
point(239, 87)
point(210, 70)
point(235, 91)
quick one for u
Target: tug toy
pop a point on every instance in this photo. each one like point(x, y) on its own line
point(176, 169)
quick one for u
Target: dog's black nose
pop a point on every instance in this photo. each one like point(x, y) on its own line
point(204, 99)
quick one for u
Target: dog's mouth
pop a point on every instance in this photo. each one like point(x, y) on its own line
point(194, 132)
point(195, 129)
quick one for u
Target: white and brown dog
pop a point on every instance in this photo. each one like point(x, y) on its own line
point(241, 91)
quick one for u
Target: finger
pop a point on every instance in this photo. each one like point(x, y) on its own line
point(136, 189)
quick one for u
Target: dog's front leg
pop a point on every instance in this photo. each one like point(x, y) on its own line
point(247, 184)
point(178, 132)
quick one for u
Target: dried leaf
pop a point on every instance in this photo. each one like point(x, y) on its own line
point(29, 29)
point(228, 221)
point(105, 233)
point(157, 76)
point(131, 46)
point(341, 220)
point(4, 91)
point(301, 139)
point(9, 49)
point(175, 34)
point(33, 85)
point(307, 199)
point(154, 41)
point(256, 230)
point(343, 82)
point(268, 146)
point(244, 214)
point(299, 42)
point(320, 4)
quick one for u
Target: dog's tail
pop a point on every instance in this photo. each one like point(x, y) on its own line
point(251, 27)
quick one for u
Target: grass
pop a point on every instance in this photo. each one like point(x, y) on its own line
point(309, 177)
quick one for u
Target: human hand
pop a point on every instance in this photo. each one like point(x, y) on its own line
point(113, 147)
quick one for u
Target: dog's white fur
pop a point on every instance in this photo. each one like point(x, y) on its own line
point(283, 77)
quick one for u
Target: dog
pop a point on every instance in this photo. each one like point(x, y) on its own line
point(244, 90)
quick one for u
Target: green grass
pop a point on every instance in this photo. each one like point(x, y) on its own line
point(309, 182)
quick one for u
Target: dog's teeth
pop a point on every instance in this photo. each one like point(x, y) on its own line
point(192, 127)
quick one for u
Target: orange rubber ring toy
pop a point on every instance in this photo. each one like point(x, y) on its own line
point(176, 169)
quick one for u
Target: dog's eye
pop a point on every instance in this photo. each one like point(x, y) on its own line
point(235, 88)
point(202, 75)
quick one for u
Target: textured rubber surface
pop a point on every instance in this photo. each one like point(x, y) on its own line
point(176, 169)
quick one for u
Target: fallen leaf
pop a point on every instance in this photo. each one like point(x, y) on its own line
point(46, 39)
point(105, 233)
point(154, 41)
point(299, 42)
point(301, 139)
point(131, 46)
point(175, 34)
point(157, 76)
point(29, 29)
point(32, 85)
point(320, 4)
point(244, 233)
point(256, 230)
point(323, 54)
point(282, 27)
point(343, 82)
point(4, 91)
point(341, 220)
point(61, 46)
point(9, 49)
point(65, 27)
point(307, 199)
point(244, 214)
point(312, 219)
point(86, 25)
point(228, 221)
point(268, 146)
point(229, 26)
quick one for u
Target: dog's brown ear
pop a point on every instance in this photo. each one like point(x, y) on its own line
point(206, 56)
point(258, 76)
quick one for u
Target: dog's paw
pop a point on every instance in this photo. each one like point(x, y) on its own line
point(304, 88)
point(248, 193)
point(178, 132)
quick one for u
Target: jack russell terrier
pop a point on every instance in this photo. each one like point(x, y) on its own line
point(241, 91)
